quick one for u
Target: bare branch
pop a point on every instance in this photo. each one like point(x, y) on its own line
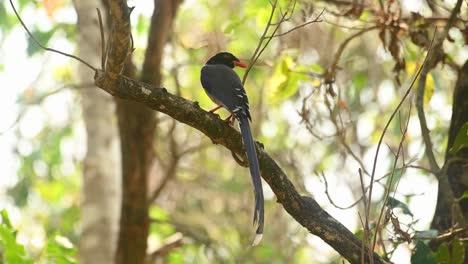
point(317, 19)
point(305, 210)
point(171, 243)
point(448, 235)
point(331, 71)
point(103, 40)
point(388, 124)
point(331, 200)
point(394, 168)
point(254, 55)
point(365, 239)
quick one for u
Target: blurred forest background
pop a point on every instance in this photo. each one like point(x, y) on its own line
point(86, 178)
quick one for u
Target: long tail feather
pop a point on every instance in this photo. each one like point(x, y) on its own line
point(254, 167)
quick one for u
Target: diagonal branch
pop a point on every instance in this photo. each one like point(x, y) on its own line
point(304, 209)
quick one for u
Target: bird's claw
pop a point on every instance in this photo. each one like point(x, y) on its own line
point(261, 145)
point(229, 120)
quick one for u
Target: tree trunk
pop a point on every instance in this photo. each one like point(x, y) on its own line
point(137, 126)
point(455, 164)
point(101, 194)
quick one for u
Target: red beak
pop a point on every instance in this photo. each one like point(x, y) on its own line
point(240, 64)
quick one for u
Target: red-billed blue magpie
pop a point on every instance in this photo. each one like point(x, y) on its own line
point(224, 87)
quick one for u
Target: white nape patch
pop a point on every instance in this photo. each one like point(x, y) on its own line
point(257, 239)
point(145, 91)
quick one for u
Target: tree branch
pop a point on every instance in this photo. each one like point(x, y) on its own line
point(304, 209)
point(317, 19)
point(173, 242)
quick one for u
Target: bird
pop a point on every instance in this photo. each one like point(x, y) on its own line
point(224, 87)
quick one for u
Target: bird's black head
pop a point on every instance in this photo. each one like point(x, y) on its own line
point(227, 59)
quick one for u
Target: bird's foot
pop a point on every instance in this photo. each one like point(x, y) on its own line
point(230, 120)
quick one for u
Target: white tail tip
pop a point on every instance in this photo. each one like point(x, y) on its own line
point(257, 239)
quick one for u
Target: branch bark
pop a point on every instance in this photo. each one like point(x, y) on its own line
point(304, 209)
point(136, 131)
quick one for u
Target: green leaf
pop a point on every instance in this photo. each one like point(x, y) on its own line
point(42, 36)
point(7, 20)
point(234, 24)
point(317, 68)
point(262, 16)
point(284, 82)
point(158, 213)
point(443, 254)
point(422, 254)
point(394, 203)
point(302, 255)
point(142, 24)
point(365, 15)
point(52, 191)
point(429, 89)
point(359, 81)
point(13, 251)
point(455, 254)
point(461, 140)
point(464, 196)
point(5, 218)
point(458, 252)
point(60, 251)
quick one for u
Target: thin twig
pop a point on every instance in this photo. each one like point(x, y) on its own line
point(258, 52)
point(419, 167)
point(44, 47)
point(448, 235)
point(343, 26)
point(265, 31)
point(331, 200)
point(366, 225)
point(394, 168)
point(103, 40)
point(339, 133)
point(423, 123)
point(330, 73)
point(388, 124)
point(317, 19)
point(171, 243)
